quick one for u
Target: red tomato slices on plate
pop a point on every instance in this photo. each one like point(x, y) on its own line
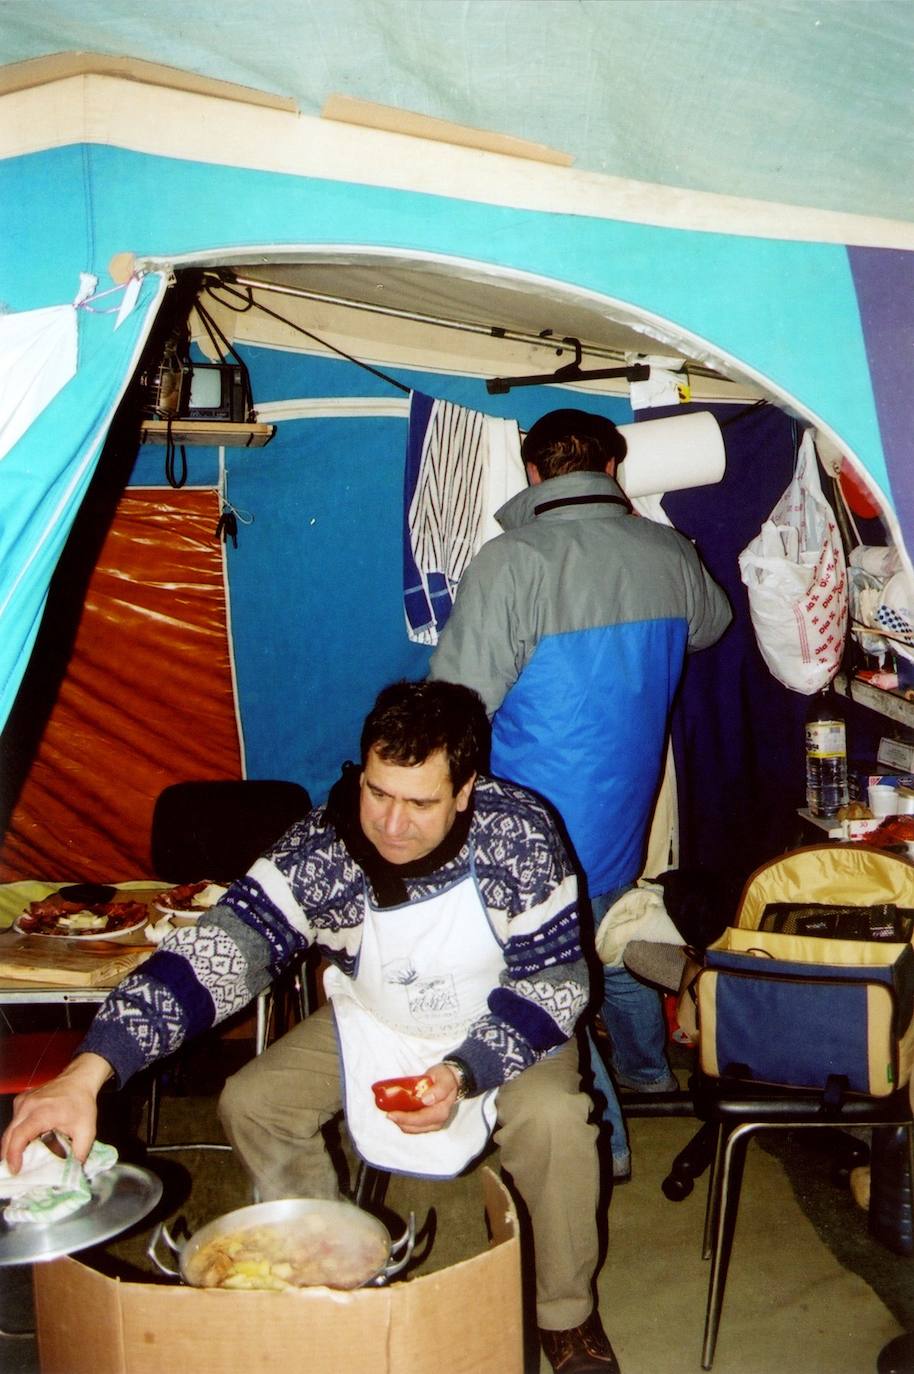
point(401, 1094)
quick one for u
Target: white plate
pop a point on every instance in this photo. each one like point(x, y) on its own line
point(126, 934)
point(193, 908)
point(177, 915)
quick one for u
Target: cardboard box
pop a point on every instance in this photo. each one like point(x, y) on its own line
point(856, 830)
point(860, 781)
point(462, 1320)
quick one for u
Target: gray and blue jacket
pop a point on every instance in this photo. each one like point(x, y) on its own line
point(573, 626)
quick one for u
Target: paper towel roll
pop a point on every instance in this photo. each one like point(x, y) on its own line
point(670, 454)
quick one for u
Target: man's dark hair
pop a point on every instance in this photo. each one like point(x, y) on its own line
point(411, 720)
point(572, 441)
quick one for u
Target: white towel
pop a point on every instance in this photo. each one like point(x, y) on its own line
point(639, 914)
point(461, 467)
point(48, 1187)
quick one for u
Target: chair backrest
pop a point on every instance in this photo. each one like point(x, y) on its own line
point(216, 829)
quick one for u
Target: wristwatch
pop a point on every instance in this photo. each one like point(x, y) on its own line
point(459, 1070)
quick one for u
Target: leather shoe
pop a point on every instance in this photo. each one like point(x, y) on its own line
point(582, 1350)
point(898, 1356)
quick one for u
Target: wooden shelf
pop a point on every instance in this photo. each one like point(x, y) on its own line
point(207, 433)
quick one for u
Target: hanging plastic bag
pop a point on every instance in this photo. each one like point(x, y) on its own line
point(796, 576)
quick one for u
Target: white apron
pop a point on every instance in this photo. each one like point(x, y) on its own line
point(425, 972)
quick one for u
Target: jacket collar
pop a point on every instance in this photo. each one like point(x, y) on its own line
point(522, 508)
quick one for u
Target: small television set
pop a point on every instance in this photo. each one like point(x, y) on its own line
point(214, 391)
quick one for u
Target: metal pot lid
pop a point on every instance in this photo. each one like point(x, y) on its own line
point(121, 1196)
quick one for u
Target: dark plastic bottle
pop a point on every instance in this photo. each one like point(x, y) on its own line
point(826, 757)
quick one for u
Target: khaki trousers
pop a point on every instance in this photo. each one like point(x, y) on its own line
point(274, 1109)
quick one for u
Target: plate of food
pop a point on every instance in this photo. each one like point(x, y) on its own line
point(62, 918)
point(189, 899)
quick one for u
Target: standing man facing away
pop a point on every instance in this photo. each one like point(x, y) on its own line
point(573, 626)
point(446, 906)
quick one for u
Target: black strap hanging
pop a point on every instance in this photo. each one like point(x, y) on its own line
point(175, 476)
point(227, 527)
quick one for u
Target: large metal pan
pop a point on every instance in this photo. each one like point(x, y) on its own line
point(344, 1246)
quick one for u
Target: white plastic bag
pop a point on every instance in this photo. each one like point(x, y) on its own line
point(796, 576)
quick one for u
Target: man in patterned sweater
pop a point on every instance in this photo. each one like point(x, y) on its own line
point(445, 906)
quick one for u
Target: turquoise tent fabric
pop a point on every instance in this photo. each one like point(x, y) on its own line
point(802, 102)
point(45, 475)
point(789, 312)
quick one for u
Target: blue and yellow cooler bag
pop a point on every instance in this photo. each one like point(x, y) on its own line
point(813, 987)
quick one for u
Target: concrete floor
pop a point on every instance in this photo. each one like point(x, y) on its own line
point(790, 1307)
point(794, 1304)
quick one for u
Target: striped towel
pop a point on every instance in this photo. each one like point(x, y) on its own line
point(461, 466)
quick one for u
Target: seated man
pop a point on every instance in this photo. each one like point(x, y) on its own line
point(446, 907)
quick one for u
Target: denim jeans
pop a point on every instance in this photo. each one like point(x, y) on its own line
point(633, 1016)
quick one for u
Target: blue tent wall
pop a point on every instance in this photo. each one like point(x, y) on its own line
point(788, 311)
point(315, 584)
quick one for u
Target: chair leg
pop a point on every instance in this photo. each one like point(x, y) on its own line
point(890, 1212)
point(712, 1202)
point(152, 1126)
point(728, 1191)
point(691, 1161)
point(303, 992)
point(152, 1110)
point(370, 1186)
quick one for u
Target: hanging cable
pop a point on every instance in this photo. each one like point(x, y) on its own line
point(175, 476)
point(229, 515)
point(741, 414)
point(249, 300)
point(227, 349)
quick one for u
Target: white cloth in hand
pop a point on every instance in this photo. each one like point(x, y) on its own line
point(48, 1187)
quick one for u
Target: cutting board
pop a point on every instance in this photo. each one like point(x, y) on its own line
point(37, 960)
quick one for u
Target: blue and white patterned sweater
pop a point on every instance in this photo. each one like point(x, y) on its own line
point(309, 892)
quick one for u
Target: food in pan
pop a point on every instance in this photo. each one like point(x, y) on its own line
point(312, 1250)
point(57, 916)
point(401, 1094)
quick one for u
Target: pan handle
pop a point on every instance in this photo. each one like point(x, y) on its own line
point(161, 1233)
point(395, 1263)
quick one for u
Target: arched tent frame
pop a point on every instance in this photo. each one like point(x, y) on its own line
point(101, 164)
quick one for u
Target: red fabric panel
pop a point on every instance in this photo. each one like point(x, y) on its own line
point(147, 698)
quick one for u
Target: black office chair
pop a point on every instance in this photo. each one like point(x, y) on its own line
point(214, 829)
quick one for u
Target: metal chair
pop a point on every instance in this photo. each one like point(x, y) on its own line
point(215, 829)
point(732, 1112)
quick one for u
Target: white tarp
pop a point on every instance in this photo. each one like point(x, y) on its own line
point(37, 358)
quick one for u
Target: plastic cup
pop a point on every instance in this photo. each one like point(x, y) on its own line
point(883, 799)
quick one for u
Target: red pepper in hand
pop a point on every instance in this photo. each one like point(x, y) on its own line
point(401, 1094)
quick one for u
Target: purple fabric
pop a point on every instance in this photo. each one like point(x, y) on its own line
point(737, 733)
point(884, 281)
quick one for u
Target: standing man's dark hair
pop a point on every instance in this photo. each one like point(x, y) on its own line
point(572, 441)
point(411, 720)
